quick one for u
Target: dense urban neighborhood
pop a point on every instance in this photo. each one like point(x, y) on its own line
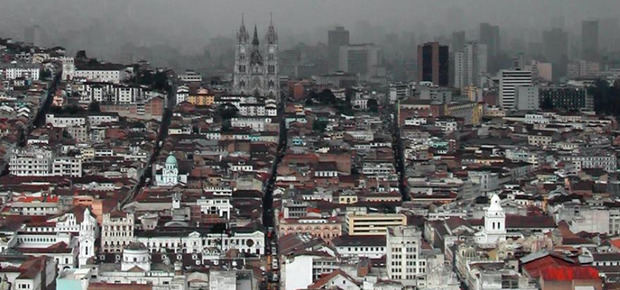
point(475, 173)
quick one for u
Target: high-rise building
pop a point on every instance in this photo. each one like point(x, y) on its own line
point(256, 66)
point(527, 98)
point(458, 40)
point(470, 64)
point(336, 38)
point(403, 258)
point(489, 35)
point(363, 60)
point(433, 63)
point(555, 50)
point(589, 40)
point(566, 98)
point(509, 81)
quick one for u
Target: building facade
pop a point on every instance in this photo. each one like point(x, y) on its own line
point(433, 63)
point(256, 66)
point(509, 81)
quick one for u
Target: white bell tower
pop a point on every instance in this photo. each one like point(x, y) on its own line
point(88, 234)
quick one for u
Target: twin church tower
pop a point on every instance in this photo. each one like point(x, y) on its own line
point(256, 63)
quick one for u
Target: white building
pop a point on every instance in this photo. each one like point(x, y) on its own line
point(117, 231)
point(190, 76)
point(470, 64)
point(403, 258)
point(108, 73)
point(169, 174)
point(218, 206)
point(182, 94)
point(509, 81)
point(65, 121)
point(494, 229)
point(88, 235)
point(527, 98)
point(31, 161)
point(12, 72)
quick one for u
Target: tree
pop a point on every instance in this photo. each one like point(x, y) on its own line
point(227, 111)
point(373, 106)
point(94, 107)
point(319, 126)
point(45, 74)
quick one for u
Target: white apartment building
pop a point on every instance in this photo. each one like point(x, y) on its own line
point(216, 206)
point(117, 231)
point(35, 161)
point(470, 64)
point(65, 121)
point(31, 162)
point(509, 81)
point(21, 71)
point(190, 76)
point(404, 261)
point(107, 73)
point(527, 98)
point(67, 166)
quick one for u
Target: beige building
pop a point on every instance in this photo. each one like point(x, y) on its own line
point(373, 223)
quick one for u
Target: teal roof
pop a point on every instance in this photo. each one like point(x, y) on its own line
point(171, 160)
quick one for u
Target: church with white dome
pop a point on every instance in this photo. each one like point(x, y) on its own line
point(168, 174)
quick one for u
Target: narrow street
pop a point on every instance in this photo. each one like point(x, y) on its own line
point(161, 137)
point(271, 238)
point(399, 158)
point(37, 121)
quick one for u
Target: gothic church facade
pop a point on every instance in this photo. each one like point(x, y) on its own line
point(256, 64)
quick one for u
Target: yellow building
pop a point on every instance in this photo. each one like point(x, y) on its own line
point(358, 224)
point(470, 112)
point(201, 97)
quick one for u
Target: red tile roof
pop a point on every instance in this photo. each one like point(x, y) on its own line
point(564, 273)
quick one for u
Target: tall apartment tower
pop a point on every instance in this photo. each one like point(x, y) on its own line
point(458, 40)
point(433, 63)
point(469, 64)
point(509, 81)
point(404, 261)
point(336, 38)
point(589, 40)
point(489, 35)
point(555, 50)
point(256, 65)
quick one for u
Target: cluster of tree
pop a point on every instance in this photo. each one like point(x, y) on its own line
point(319, 126)
point(326, 97)
point(157, 80)
point(227, 111)
point(66, 110)
point(606, 97)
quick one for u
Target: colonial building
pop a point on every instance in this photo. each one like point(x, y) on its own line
point(169, 174)
point(494, 224)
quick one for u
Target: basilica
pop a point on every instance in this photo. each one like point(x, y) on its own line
point(256, 64)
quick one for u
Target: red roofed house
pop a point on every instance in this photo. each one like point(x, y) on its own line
point(567, 277)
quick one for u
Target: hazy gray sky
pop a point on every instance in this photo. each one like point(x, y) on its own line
point(187, 25)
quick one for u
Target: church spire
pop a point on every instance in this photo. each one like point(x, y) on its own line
point(242, 35)
point(272, 37)
point(255, 39)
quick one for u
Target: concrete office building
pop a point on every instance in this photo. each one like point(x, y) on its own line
point(470, 64)
point(590, 40)
point(489, 35)
point(527, 98)
point(509, 81)
point(363, 60)
point(336, 38)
